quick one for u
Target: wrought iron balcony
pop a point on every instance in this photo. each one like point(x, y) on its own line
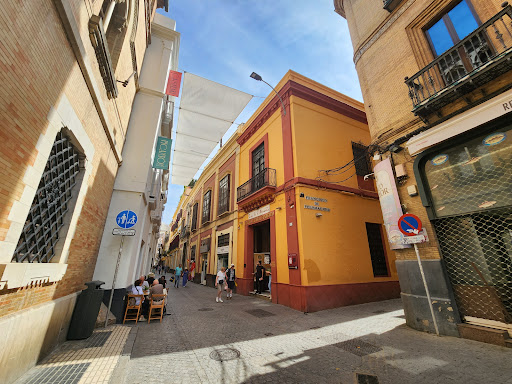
point(185, 231)
point(479, 58)
point(266, 178)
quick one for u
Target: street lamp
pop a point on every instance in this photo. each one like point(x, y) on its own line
point(257, 77)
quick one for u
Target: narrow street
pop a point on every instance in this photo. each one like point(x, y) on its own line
point(263, 342)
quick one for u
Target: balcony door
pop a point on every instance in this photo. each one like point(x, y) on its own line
point(454, 26)
point(258, 167)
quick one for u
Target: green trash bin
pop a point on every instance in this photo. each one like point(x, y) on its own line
point(86, 311)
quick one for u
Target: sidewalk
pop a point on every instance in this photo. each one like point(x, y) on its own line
point(249, 340)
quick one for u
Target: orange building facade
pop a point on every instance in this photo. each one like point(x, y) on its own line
point(316, 229)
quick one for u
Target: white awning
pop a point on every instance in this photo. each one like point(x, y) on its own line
point(207, 110)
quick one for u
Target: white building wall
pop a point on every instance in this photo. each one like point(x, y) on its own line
point(135, 176)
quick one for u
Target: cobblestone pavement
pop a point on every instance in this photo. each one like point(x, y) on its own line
point(248, 340)
point(90, 361)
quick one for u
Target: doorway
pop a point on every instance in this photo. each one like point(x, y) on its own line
point(204, 267)
point(261, 252)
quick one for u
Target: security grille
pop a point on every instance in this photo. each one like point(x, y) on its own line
point(470, 189)
point(46, 216)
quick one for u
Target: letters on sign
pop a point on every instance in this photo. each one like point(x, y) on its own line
point(173, 84)
point(162, 153)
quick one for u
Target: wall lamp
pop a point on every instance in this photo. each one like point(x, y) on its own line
point(318, 214)
point(257, 77)
point(125, 83)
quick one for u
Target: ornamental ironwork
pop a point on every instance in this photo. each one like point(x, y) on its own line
point(51, 203)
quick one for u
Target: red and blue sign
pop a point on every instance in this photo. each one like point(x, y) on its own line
point(409, 224)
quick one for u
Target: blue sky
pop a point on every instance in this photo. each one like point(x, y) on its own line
point(226, 40)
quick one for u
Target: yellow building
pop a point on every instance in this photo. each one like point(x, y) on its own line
point(205, 218)
point(316, 228)
point(447, 130)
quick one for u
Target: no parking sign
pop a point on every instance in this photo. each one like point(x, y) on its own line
point(409, 224)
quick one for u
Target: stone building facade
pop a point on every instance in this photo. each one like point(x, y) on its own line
point(435, 77)
point(64, 121)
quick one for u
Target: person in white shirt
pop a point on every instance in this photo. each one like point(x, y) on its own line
point(137, 290)
point(144, 283)
point(219, 283)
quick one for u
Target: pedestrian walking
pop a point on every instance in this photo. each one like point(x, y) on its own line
point(219, 283)
point(177, 274)
point(230, 278)
point(185, 277)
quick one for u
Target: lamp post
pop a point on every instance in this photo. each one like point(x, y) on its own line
point(257, 77)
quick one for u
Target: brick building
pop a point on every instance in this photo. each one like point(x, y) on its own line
point(436, 81)
point(64, 121)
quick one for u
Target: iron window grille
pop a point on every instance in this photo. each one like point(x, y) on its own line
point(224, 195)
point(377, 252)
point(206, 206)
point(51, 203)
point(223, 240)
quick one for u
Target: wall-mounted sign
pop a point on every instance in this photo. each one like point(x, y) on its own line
point(389, 203)
point(126, 219)
point(316, 202)
point(223, 249)
point(162, 153)
point(259, 212)
point(123, 232)
point(173, 84)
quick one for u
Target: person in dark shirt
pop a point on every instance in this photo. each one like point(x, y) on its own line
point(162, 281)
point(260, 272)
point(151, 278)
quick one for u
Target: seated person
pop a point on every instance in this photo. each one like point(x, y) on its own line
point(151, 278)
point(137, 290)
point(157, 289)
point(162, 281)
point(144, 283)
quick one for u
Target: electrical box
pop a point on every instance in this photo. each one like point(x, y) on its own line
point(292, 261)
point(400, 170)
point(412, 190)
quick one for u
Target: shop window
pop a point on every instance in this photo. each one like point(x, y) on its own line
point(472, 176)
point(206, 206)
point(194, 217)
point(224, 195)
point(223, 240)
point(362, 165)
point(51, 205)
point(452, 27)
point(193, 253)
point(377, 252)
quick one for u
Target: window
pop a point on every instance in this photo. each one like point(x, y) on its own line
point(224, 195)
point(258, 166)
point(258, 159)
point(361, 159)
point(453, 26)
point(223, 240)
point(206, 206)
point(194, 217)
point(377, 253)
point(50, 205)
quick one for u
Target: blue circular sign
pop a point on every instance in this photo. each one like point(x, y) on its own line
point(126, 219)
point(409, 224)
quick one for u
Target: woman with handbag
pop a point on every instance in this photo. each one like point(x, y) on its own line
point(219, 283)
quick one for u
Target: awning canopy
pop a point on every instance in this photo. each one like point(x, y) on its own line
point(207, 110)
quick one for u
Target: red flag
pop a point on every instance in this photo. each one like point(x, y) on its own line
point(173, 84)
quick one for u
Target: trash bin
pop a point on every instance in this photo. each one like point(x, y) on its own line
point(86, 311)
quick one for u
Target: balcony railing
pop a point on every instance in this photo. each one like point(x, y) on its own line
point(266, 178)
point(477, 59)
point(185, 231)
